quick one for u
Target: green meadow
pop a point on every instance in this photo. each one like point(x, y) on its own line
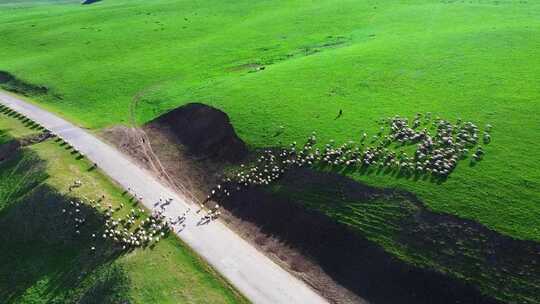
point(475, 60)
point(41, 261)
point(282, 69)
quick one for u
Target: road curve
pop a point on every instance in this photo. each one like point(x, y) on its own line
point(251, 272)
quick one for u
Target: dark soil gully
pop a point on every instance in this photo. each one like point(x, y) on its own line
point(353, 261)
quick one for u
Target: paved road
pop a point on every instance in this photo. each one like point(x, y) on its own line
point(251, 272)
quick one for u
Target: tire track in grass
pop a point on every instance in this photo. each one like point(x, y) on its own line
point(141, 138)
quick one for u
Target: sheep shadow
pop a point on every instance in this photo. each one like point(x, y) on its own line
point(397, 173)
point(87, 2)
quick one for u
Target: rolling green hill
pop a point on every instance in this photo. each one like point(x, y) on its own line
point(475, 60)
point(289, 67)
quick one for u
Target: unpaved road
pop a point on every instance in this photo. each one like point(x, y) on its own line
point(251, 272)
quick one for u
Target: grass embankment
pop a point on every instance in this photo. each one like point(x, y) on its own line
point(42, 261)
point(474, 60)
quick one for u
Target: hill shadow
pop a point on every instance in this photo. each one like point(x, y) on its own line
point(38, 245)
point(367, 269)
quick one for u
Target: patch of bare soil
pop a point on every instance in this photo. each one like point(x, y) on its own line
point(163, 153)
point(126, 140)
point(205, 131)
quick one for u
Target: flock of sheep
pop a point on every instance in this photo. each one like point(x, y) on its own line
point(440, 145)
point(130, 231)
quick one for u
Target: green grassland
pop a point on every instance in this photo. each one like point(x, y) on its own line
point(475, 60)
point(41, 261)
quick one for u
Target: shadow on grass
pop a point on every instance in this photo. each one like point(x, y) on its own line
point(364, 267)
point(13, 84)
point(8, 147)
point(398, 173)
point(40, 253)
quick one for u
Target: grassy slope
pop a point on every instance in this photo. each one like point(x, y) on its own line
point(477, 60)
point(169, 273)
point(403, 229)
